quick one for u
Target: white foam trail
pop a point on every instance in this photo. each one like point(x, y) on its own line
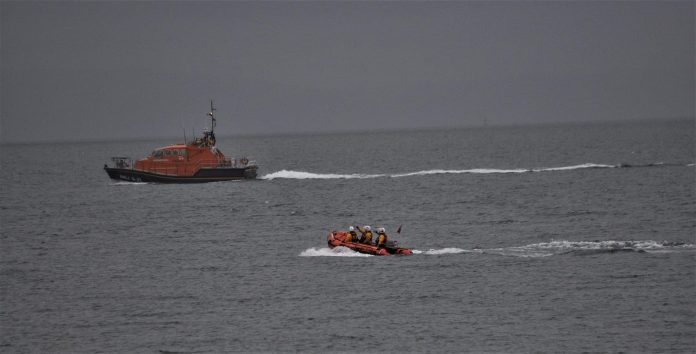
point(691, 165)
point(523, 252)
point(128, 183)
point(546, 249)
point(289, 174)
point(575, 167)
point(646, 245)
point(308, 175)
point(448, 250)
point(511, 251)
point(332, 252)
point(475, 170)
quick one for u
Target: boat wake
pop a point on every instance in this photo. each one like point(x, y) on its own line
point(547, 249)
point(289, 174)
point(536, 250)
point(308, 175)
point(449, 250)
point(332, 252)
point(128, 183)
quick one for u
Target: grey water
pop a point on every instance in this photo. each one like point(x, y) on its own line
point(543, 238)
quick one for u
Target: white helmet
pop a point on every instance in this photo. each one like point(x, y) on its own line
point(381, 229)
point(368, 228)
point(350, 228)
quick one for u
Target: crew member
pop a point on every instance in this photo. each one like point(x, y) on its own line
point(381, 237)
point(352, 235)
point(366, 234)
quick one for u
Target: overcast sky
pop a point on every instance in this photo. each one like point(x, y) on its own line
point(114, 70)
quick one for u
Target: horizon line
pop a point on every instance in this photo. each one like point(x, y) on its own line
point(490, 125)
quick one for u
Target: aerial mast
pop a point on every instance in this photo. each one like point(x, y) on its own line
point(210, 137)
point(212, 117)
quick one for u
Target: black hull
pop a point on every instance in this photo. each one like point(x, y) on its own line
point(202, 176)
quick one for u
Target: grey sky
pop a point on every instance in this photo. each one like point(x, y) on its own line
point(124, 69)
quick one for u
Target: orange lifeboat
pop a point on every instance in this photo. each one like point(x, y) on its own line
point(194, 162)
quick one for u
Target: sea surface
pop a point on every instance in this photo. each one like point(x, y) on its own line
point(544, 238)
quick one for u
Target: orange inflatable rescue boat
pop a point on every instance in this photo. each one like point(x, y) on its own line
point(193, 162)
point(337, 238)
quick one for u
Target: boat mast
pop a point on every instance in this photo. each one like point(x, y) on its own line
point(209, 137)
point(212, 117)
